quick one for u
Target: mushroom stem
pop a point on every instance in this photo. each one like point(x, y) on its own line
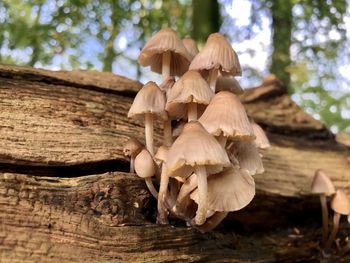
point(168, 138)
point(151, 187)
point(324, 218)
point(166, 64)
point(192, 111)
point(201, 213)
point(213, 75)
point(213, 222)
point(132, 160)
point(336, 219)
point(149, 132)
point(187, 187)
point(162, 217)
point(222, 140)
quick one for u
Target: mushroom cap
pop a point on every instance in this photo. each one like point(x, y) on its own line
point(248, 157)
point(149, 99)
point(194, 147)
point(191, 46)
point(144, 164)
point(229, 190)
point(161, 154)
point(321, 184)
point(132, 147)
point(219, 54)
point(261, 140)
point(191, 87)
point(225, 114)
point(229, 84)
point(340, 203)
point(165, 40)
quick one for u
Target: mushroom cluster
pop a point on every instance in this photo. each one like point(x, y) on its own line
point(340, 204)
point(210, 146)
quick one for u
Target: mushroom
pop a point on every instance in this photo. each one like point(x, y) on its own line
point(261, 140)
point(346, 248)
point(247, 156)
point(191, 46)
point(195, 150)
point(226, 117)
point(149, 101)
point(132, 148)
point(229, 84)
point(165, 53)
point(162, 215)
point(146, 168)
point(341, 206)
point(217, 55)
point(191, 89)
point(324, 187)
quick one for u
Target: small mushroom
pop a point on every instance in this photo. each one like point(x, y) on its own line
point(261, 140)
point(146, 168)
point(191, 46)
point(340, 204)
point(229, 84)
point(248, 157)
point(162, 215)
point(324, 187)
point(131, 149)
point(165, 53)
point(149, 101)
point(226, 117)
point(217, 55)
point(195, 150)
point(191, 89)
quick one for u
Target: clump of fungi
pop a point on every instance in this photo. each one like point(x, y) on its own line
point(340, 204)
point(205, 165)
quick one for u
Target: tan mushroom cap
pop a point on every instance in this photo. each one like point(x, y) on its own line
point(195, 147)
point(191, 46)
point(217, 53)
point(191, 87)
point(248, 157)
point(226, 115)
point(340, 203)
point(261, 140)
point(321, 184)
point(229, 190)
point(144, 164)
point(132, 147)
point(229, 84)
point(165, 40)
point(149, 99)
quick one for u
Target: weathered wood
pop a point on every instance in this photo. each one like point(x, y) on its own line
point(68, 124)
point(95, 218)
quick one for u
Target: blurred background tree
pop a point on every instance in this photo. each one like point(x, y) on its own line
point(304, 42)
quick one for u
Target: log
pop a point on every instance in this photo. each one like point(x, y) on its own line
point(56, 126)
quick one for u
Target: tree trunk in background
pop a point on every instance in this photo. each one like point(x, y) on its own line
point(281, 41)
point(205, 19)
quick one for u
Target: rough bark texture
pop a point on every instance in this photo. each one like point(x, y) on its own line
point(56, 126)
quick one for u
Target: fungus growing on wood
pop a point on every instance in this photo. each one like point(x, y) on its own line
point(190, 90)
point(205, 155)
point(148, 102)
point(146, 168)
point(131, 149)
point(340, 204)
point(324, 187)
point(217, 55)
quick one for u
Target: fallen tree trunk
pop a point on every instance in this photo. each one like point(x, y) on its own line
point(69, 124)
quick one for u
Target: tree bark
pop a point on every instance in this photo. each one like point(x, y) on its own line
point(282, 21)
point(56, 126)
